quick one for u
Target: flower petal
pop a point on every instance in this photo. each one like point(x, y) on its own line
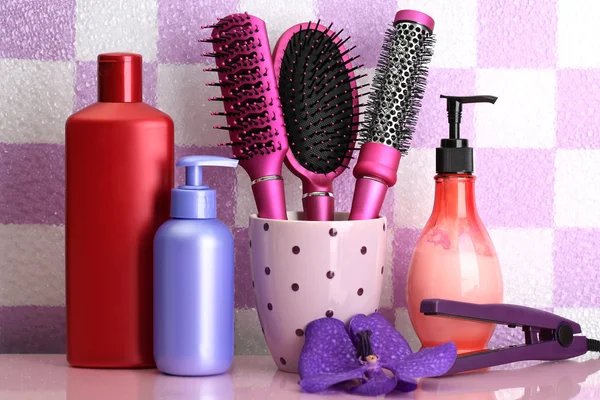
point(387, 343)
point(322, 382)
point(406, 384)
point(327, 349)
point(433, 361)
point(378, 383)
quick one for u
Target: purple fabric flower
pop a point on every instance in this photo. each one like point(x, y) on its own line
point(333, 354)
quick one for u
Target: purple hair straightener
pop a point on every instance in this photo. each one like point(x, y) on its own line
point(548, 336)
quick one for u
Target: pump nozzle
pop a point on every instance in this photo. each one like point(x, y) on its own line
point(454, 156)
point(454, 108)
point(194, 200)
point(194, 164)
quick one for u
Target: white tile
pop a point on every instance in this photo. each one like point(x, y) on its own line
point(32, 265)
point(249, 339)
point(576, 183)
point(455, 30)
point(404, 326)
point(182, 93)
point(589, 320)
point(36, 98)
point(279, 16)
point(387, 291)
point(527, 268)
point(245, 205)
point(577, 35)
point(524, 114)
point(105, 26)
point(415, 189)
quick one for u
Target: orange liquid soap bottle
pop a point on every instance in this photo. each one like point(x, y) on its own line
point(455, 258)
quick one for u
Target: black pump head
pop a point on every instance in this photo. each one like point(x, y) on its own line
point(454, 156)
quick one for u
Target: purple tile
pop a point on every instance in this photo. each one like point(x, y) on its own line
point(515, 187)
point(223, 180)
point(343, 190)
point(433, 118)
point(32, 183)
point(244, 295)
point(179, 23)
point(32, 189)
point(505, 336)
point(365, 22)
point(517, 34)
point(40, 30)
point(86, 92)
point(32, 329)
point(578, 97)
point(576, 272)
point(405, 241)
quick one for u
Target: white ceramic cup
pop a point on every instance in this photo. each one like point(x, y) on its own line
point(306, 270)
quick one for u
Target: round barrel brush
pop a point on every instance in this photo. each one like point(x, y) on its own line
point(392, 109)
point(320, 101)
point(251, 106)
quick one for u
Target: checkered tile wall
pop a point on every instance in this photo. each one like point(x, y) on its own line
point(537, 149)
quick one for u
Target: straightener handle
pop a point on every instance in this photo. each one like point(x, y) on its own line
point(503, 314)
point(546, 351)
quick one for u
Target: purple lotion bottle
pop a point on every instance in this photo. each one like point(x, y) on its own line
point(193, 279)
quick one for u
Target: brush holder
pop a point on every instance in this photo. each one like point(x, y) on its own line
point(306, 270)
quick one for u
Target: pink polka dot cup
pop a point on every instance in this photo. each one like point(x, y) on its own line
point(305, 270)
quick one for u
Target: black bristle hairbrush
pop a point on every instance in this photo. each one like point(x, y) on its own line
point(320, 101)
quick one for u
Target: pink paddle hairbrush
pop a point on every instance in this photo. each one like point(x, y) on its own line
point(320, 101)
point(392, 110)
point(252, 107)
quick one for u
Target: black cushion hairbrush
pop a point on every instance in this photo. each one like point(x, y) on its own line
point(320, 101)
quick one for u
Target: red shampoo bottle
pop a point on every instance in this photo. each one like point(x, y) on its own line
point(119, 174)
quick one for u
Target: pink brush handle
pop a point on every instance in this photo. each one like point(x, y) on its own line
point(270, 199)
point(368, 199)
point(318, 208)
point(375, 172)
point(318, 204)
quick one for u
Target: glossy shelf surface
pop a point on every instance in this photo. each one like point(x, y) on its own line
point(48, 377)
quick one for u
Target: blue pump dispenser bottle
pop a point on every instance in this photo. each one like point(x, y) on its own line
point(193, 279)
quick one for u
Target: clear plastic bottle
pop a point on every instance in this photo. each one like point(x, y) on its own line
point(455, 258)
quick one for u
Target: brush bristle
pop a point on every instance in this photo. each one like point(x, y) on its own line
point(248, 87)
point(319, 96)
point(398, 86)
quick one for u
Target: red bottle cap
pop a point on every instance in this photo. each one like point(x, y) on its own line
point(120, 78)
